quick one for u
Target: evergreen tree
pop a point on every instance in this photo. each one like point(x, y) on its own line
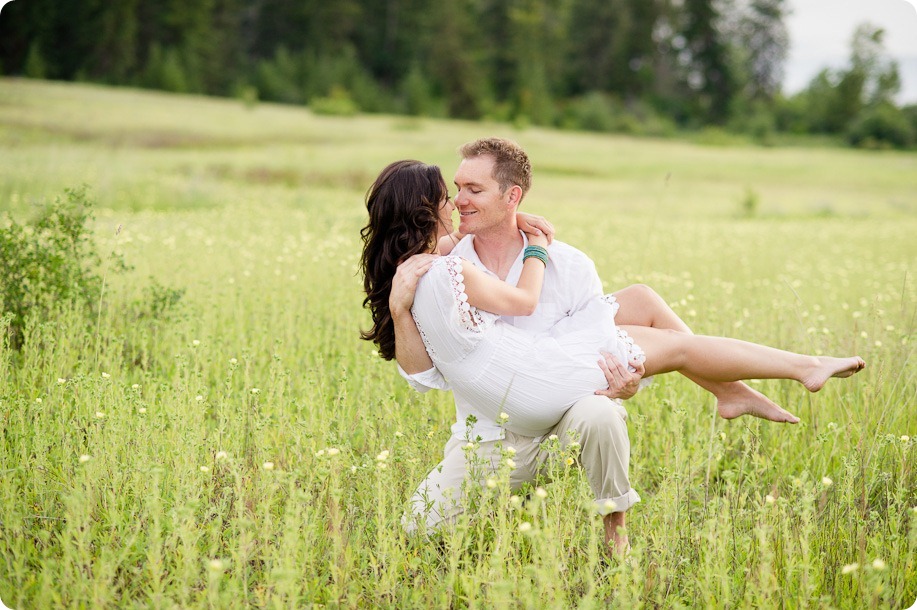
point(707, 70)
point(765, 39)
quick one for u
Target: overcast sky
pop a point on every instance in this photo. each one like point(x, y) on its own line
point(821, 31)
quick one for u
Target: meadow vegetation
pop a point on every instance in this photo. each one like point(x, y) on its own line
point(213, 433)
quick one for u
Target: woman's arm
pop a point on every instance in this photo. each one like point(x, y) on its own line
point(493, 295)
point(410, 352)
point(447, 242)
point(531, 225)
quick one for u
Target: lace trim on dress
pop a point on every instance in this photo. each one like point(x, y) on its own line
point(469, 316)
point(634, 351)
point(611, 300)
point(423, 336)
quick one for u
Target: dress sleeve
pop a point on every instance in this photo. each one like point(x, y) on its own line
point(449, 326)
point(588, 285)
point(426, 380)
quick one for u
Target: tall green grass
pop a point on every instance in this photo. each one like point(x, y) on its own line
point(232, 455)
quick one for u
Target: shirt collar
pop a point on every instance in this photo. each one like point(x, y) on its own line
point(512, 277)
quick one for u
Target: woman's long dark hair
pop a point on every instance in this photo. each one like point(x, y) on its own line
point(403, 205)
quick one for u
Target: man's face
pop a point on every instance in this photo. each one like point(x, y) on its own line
point(480, 202)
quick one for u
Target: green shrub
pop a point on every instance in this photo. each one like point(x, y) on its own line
point(594, 111)
point(279, 79)
point(750, 203)
point(417, 93)
point(49, 262)
point(337, 102)
point(882, 126)
point(35, 65)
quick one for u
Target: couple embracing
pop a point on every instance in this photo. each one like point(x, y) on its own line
point(516, 325)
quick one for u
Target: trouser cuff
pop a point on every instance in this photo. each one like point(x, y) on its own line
point(606, 506)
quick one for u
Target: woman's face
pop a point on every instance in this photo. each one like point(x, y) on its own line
point(446, 207)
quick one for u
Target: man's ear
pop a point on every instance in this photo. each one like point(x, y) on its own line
point(515, 195)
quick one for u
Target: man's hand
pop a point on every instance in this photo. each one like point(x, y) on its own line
point(535, 225)
point(404, 284)
point(621, 382)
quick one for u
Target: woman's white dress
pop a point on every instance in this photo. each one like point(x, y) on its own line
point(534, 378)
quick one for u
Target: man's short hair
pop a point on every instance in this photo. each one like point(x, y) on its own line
point(511, 164)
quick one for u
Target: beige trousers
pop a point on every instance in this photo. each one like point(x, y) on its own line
point(598, 423)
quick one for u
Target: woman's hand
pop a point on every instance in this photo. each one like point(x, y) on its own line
point(535, 225)
point(404, 284)
point(538, 239)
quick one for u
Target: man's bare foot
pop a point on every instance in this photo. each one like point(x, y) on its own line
point(748, 401)
point(616, 542)
point(828, 367)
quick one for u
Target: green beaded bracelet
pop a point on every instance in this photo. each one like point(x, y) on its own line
point(539, 252)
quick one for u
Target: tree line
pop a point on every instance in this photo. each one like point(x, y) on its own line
point(636, 66)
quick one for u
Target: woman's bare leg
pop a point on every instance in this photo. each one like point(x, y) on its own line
point(723, 359)
point(642, 306)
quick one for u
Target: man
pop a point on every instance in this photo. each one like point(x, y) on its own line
point(492, 180)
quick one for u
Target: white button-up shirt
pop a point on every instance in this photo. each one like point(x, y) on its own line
point(570, 280)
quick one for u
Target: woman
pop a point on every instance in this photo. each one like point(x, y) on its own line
point(534, 377)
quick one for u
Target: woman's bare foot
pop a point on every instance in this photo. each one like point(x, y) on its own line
point(828, 367)
point(743, 400)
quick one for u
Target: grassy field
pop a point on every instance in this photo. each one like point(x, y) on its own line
point(230, 454)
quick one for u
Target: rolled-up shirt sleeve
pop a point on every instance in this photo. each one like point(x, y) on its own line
point(425, 381)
